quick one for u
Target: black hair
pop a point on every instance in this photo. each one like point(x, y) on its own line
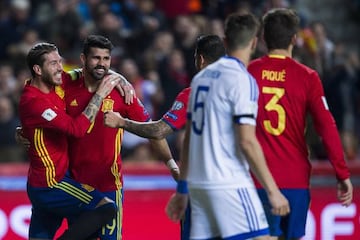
point(96, 41)
point(210, 47)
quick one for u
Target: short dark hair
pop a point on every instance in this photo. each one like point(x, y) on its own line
point(240, 29)
point(96, 41)
point(280, 25)
point(211, 47)
point(36, 55)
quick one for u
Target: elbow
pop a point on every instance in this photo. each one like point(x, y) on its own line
point(158, 135)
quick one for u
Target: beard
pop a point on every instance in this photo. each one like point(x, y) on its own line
point(95, 74)
point(51, 79)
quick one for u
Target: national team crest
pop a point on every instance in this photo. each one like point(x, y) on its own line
point(107, 105)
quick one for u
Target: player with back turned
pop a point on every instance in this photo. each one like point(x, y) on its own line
point(220, 147)
point(289, 91)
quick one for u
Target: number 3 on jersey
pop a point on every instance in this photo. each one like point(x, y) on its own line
point(198, 110)
point(273, 105)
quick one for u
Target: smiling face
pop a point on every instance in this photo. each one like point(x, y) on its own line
point(97, 62)
point(52, 68)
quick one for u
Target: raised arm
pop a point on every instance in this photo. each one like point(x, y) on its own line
point(153, 130)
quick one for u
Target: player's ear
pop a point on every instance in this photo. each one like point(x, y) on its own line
point(293, 39)
point(82, 58)
point(37, 69)
point(202, 61)
point(254, 43)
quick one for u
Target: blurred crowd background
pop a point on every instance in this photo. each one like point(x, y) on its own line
point(154, 47)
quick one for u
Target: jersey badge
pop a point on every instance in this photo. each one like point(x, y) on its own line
point(177, 106)
point(49, 114)
point(172, 116)
point(107, 105)
point(74, 103)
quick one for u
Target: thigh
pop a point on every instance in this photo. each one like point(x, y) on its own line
point(113, 229)
point(43, 224)
point(227, 213)
point(292, 225)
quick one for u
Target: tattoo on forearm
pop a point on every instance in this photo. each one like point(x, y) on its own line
point(153, 130)
point(93, 107)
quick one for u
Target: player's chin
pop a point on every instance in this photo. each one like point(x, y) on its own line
point(99, 76)
point(58, 82)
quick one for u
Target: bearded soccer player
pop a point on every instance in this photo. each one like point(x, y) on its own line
point(52, 193)
point(288, 92)
point(95, 159)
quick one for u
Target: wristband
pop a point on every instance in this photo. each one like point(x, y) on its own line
point(171, 164)
point(182, 187)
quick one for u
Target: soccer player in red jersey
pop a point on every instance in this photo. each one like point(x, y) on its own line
point(208, 49)
point(95, 159)
point(288, 92)
point(46, 125)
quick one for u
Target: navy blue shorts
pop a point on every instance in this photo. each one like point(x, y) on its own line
point(113, 229)
point(67, 198)
point(292, 225)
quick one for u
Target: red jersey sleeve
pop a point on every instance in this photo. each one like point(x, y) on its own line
point(40, 112)
point(176, 116)
point(325, 126)
point(135, 111)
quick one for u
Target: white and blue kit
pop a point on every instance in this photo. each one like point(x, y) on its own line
point(224, 200)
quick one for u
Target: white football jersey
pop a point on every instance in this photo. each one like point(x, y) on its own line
point(222, 94)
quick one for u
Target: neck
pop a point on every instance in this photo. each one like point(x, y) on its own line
point(41, 85)
point(90, 83)
point(243, 55)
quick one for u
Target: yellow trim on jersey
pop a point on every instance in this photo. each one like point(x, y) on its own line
point(276, 56)
point(119, 215)
point(90, 127)
point(44, 156)
point(74, 191)
point(60, 91)
point(114, 167)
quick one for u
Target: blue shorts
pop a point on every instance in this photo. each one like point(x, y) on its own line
point(67, 198)
point(112, 230)
point(292, 225)
point(185, 224)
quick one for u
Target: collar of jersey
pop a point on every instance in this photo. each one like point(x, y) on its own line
point(236, 59)
point(277, 56)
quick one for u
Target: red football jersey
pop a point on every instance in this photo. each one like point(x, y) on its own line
point(46, 125)
point(95, 158)
point(176, 116)
point(288, 92)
